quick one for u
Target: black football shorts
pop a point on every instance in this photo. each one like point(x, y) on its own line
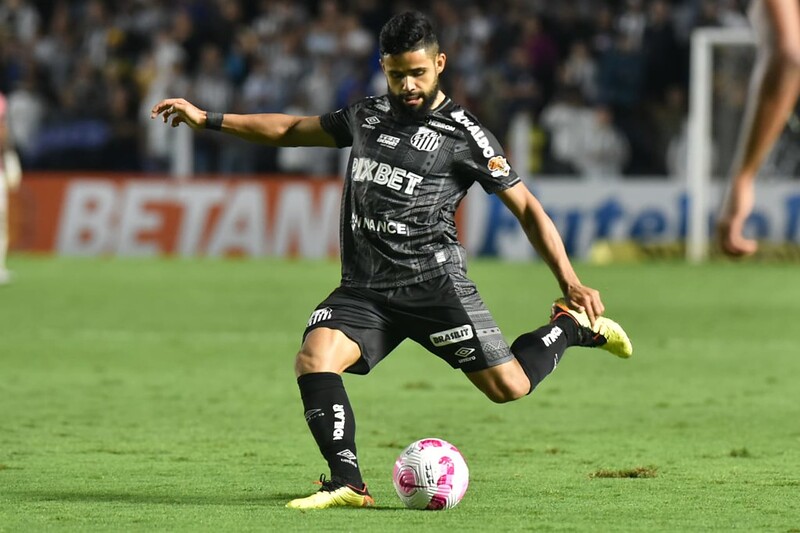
point(445, 315)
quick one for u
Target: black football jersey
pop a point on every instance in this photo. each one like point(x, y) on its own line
point(403, 184)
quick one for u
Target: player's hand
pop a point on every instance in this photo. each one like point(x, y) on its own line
point(177, 111)
point(585, 300)
point(731, 238)
point(730, 227)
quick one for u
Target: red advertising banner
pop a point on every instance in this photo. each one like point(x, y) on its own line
point(71, 214)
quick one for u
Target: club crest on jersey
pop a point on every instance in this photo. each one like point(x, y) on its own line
point(425, 140)
point(498, 166)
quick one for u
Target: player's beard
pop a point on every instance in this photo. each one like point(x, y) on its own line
point(419, 112)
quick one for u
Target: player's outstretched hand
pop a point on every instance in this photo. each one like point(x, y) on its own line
point(177, 111)
point(585, 300)
point(731, 240)
point(730, 227)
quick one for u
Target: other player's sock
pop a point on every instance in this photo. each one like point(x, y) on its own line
point(332, 423)
point(539, 352)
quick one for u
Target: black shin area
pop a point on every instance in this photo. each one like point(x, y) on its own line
point(331, 421)
point(539, 352)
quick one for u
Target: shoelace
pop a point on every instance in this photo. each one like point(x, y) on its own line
point(328, 485)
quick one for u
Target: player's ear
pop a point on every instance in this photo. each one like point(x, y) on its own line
point(441, 59)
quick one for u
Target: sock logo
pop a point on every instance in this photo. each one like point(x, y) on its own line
point(311, 414)
point(338, 422)
point(551, 337)
point(348, 457)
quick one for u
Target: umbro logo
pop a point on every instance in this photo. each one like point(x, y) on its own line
point(347, 454)
point(370, 122)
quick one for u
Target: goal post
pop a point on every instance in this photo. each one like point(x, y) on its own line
point(701, 138)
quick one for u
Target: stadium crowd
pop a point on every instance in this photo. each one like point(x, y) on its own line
point(602, 83)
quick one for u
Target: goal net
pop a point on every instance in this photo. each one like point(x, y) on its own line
point(721, 62)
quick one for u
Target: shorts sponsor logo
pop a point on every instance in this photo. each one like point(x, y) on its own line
point(320, 315)
point(426, 140)
point(388, 141)
point(451, 336)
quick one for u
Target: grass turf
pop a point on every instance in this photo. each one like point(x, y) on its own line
point(158, 395)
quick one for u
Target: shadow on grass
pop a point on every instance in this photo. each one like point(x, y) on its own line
point(278, 500)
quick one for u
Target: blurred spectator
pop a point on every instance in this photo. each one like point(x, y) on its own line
point(257, 55)
point(561, 119)
point(602, 151)
point(10, 175)
point(580, 70)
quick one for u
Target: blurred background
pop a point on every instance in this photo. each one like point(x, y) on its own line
point(81, 76)
point(581, 92)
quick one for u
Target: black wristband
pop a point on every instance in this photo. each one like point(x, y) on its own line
point(214, 121)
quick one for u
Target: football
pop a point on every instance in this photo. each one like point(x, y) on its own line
point(430, 474)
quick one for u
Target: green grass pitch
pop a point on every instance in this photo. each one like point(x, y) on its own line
point(159, 395)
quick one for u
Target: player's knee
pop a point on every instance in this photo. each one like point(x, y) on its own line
point(505, 391)
point(306, 363)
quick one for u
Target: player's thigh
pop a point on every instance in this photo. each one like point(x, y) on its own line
point(448, 317)
point(349, 331)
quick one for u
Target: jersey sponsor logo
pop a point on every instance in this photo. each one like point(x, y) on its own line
point(476, 131)
point(395, 178)
point(338, 421)
point(391, 227)
point(319, 315)
point(451, 336)
point(551, 337)
point(426, 140)
point(441, 125)
point(388, 141)
point(498, 166)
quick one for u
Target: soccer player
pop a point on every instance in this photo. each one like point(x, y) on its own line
point(10, 174)
point(414, 154)
point(774, 88)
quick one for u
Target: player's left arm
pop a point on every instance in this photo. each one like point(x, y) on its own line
point(546, 240)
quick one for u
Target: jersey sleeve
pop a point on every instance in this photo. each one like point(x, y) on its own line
point(338, 124)
point(484, 159)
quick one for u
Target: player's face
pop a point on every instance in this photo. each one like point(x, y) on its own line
point(413, 80)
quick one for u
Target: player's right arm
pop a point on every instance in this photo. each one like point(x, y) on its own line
point(274, 129)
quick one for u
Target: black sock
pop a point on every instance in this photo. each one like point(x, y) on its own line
point(539, 352)
point(331, 421)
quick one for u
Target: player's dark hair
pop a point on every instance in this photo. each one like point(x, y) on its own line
point(407, 32)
